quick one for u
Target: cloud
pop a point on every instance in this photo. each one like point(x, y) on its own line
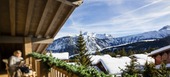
point(132, 18)
point(109, 2)
point(149, 16)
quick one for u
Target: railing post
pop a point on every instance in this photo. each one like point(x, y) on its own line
point(41, 69)
point(37, 67)
point(27, 49)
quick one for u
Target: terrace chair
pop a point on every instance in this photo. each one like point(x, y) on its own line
point(6, 64)
point(30, 74)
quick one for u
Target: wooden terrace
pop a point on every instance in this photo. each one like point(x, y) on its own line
point(30, 26)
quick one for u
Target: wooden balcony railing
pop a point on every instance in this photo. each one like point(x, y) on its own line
point(53, 72)
point(41, 64)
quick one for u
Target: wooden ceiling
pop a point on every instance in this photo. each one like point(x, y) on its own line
point(35, 18)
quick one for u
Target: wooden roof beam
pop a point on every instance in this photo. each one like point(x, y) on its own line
point(11, 39)
point(55, 19)
point(43, 18)
point(29, 16)
point(72, 2)
point(44, 50)
point(59, 27)
point(12, 7)
point(42, 40)
point(35, 47)
point(40, 47)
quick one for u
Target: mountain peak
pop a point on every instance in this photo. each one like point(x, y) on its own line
point(167, 27)
point(99, 36)
point(89, 34)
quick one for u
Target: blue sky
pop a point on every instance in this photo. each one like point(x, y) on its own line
point(117, 17)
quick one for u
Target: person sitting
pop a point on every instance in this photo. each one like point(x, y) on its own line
point(15, 63)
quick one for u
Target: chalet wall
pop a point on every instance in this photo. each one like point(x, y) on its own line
point(162, 57)
point(158, 59)
point(101, 67)
point(168, 60)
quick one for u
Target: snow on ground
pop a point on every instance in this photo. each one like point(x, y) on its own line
point(62, 56)
point(158, 66)
point(168, 65)
point(148, 40)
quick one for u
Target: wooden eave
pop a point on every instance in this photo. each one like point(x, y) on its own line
point(39, 19)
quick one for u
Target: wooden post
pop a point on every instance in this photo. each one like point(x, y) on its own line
point(38, 67)
point(27, 49)
point(41, 69)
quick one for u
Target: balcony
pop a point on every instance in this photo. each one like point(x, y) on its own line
point(48, 66)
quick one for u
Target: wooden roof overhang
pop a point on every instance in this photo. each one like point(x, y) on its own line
point(39, 19)
point(160, 51)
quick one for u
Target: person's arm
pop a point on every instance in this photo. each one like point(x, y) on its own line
point(12, 62)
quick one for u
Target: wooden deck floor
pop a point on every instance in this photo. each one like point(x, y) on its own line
point(3, 74)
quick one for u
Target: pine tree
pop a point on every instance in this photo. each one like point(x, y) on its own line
point(112, 54)
point(131, 70)
point(123, 52)
point(130, 52)
point(149, 50)
point(163, 71)
point(149, 70)
point(98, 52)
point(83, 57)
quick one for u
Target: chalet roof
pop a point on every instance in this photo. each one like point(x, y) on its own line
point(159, 50)
point(34, 18)
point(114, 65)
point(143, 58)
point(95, 58)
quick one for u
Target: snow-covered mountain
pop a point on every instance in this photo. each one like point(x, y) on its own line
point(101, 41)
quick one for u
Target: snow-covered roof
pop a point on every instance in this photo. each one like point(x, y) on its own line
point(160, 50)
point(95, 58)
point(142, 58)
point(62, 56)
point(114, 65)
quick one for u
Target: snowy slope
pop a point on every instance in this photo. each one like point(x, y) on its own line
point(163, 32)
point(101, 41)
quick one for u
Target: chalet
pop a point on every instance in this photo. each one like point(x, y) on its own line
point(161, 55)
point(31, 25)
point(114, 65)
